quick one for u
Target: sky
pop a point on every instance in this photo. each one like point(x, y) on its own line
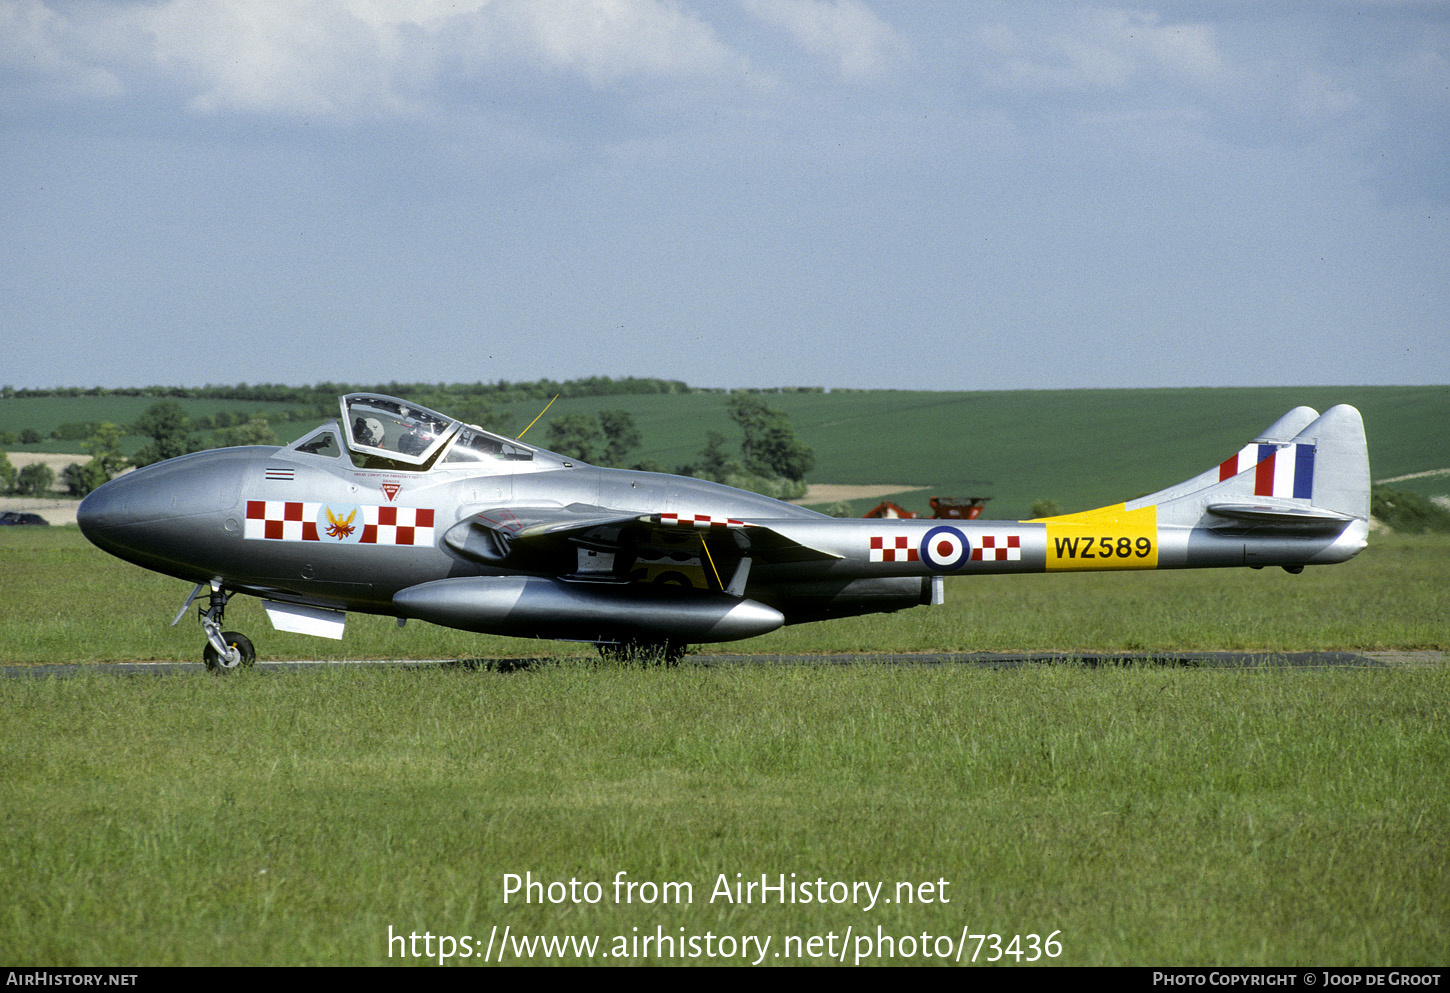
point(837, 193)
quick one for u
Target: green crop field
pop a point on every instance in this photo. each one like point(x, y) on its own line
point(1082, 448)
point(45, 414)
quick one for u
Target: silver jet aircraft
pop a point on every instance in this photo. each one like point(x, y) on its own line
point(399, 510)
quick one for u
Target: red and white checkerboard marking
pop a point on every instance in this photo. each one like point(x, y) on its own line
point(397, 526)
point(295, 520)
point(700, 521)
point(893, 549)
point(282, 520)
point(997, 548)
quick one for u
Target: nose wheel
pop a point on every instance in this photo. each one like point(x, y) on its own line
point(239, 653)
point(225, 650)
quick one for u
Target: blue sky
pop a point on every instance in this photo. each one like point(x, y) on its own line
point(742, 192)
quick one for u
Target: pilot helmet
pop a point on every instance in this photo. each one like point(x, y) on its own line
point(372, 432)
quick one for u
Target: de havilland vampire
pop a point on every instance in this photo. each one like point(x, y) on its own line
point(399, 510)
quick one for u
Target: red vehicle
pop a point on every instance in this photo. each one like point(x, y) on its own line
point(942, 509)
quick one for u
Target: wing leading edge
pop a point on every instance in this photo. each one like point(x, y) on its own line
point(503, 534)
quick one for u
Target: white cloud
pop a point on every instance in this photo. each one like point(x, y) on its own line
point(1099, 49)
point(352, 58)
point(1133, 73)
point(607, 40)
point(309, 59)
point(845, 32)
point(58, 57)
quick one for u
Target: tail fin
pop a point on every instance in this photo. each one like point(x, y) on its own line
point(1315, 478)
point(1297, 495)
point(1281, 432)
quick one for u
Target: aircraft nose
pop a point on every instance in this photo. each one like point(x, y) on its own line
point(102, 508)
point(156, 513)
point(128, 502)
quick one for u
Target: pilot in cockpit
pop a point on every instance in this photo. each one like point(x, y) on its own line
point(417, 440)
point(368, 431)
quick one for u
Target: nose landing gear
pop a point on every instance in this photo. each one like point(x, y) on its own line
point(239, 652)
point(225, 650)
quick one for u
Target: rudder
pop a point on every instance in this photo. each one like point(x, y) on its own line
point(1340, 475)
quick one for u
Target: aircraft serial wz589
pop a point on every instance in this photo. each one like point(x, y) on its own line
point(399, 510)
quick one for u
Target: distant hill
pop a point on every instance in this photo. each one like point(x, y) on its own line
point(1081, 448)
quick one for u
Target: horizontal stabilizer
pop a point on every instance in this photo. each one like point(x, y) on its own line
point(1304, 518)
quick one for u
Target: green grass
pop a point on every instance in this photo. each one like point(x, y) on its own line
point(45, 414)
point(67, 601)
point(1149, 815)
point(1393, 595)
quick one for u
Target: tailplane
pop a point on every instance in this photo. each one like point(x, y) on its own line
point(1315, 478)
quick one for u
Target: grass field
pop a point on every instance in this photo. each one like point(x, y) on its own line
point(1082, 448)
point(1137, 814)
point(1142, 815)
point(45, 414)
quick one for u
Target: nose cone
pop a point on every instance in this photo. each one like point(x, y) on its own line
point(165, 514)
point(103, 508)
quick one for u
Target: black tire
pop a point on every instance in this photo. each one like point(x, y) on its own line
point(246, 654)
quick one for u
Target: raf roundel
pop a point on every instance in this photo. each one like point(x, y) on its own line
point(945, 548)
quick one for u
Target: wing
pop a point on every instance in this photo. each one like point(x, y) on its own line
point(559, 539)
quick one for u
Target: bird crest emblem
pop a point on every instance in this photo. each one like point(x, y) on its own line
point(340, 528)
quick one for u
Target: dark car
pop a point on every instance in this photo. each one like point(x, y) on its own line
point(16, 517)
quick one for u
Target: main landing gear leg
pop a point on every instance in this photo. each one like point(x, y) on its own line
point(225, 650)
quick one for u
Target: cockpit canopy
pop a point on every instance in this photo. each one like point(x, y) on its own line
point(385, 432)
point(394, 429)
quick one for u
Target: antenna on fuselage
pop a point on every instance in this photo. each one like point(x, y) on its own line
point(541, 414)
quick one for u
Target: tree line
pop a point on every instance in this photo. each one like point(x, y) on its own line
point(770, 458)
point(326, 393)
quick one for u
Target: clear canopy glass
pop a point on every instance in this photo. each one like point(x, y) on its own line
point(395, 429)
point(385, 432)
